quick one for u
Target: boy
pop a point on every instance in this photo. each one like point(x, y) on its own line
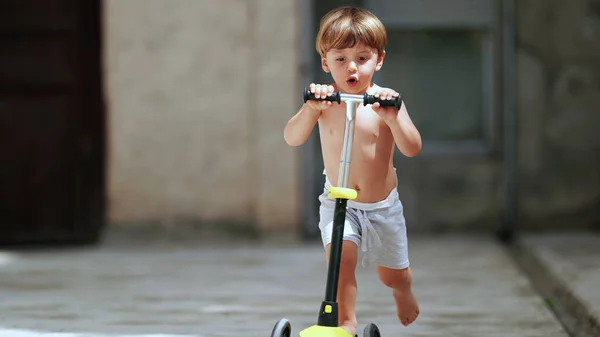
point(351, 42)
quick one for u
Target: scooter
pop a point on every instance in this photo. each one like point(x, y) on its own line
point(327, 323)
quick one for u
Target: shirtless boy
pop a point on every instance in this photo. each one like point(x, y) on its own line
point(351, 42)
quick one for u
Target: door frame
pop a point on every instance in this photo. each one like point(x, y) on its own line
point(509, 109)
point(94, 140)
point(309, 154)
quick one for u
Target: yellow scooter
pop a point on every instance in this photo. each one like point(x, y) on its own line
point(327, 324)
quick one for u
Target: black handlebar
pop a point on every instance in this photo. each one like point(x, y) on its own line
point(309, 96)
point(368, 99)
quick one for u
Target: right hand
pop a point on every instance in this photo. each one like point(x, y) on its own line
point(320, 91)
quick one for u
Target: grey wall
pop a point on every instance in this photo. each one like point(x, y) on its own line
point(558, 113)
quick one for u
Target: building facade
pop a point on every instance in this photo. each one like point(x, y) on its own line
point(198, 93)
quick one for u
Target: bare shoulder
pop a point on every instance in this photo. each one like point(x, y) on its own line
point(375, 87)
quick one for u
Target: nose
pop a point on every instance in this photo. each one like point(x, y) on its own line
point(352, 68)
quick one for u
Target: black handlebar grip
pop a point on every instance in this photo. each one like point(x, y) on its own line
point(395, 101)
point(335, 97)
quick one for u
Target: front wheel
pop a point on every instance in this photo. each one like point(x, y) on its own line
point(282, 328)
point(371, 330)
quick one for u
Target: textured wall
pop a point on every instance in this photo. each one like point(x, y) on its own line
point(198, 94)
point(559, 112)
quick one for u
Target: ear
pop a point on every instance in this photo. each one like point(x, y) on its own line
point(324, 65)
point(380, 61)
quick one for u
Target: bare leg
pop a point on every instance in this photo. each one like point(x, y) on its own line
point(400, 281)
point(347, 286)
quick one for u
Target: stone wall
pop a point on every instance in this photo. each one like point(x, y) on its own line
point(198, 94)
point(559, 113)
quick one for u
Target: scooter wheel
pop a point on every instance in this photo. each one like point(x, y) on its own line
point(282, 328)
point(371, 330)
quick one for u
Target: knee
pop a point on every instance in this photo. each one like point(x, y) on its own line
point(395, 278)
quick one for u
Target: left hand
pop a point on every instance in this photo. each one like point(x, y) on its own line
point(388, 113)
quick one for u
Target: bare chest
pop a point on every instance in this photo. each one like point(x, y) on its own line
point(368, 126)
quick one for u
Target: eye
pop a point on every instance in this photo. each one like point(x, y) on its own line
point(340, 59)
point(362, 58)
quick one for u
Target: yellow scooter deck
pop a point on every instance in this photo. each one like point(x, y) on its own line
point(324, 331)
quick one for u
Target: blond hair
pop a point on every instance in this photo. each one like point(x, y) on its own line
point(345, 26)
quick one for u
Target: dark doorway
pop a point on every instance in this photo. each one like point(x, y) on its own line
point(51, 122)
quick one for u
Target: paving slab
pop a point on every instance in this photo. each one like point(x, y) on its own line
point(570, 266)
point(467, 286)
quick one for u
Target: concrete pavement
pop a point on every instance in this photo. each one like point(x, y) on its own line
point(565, 268)
point(467, 286)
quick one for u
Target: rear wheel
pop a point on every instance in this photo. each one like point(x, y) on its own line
point(371, 330)
point(282, 328)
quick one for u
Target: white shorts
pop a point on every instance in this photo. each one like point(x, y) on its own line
point(378, 229)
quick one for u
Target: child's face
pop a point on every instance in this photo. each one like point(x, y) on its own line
point(352, 68)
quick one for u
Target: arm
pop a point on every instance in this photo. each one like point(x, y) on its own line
point(300, 126)
point(406, 135)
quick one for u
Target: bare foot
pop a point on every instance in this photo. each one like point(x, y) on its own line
point(350, 327)
point(406, 305)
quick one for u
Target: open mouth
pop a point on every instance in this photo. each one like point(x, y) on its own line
point(352, 81)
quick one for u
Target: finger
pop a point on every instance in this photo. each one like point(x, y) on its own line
point(324, 89)
point(311, 87)
point(324, 105)
point(376, 106)
point(330, 90)
point(317, 91)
